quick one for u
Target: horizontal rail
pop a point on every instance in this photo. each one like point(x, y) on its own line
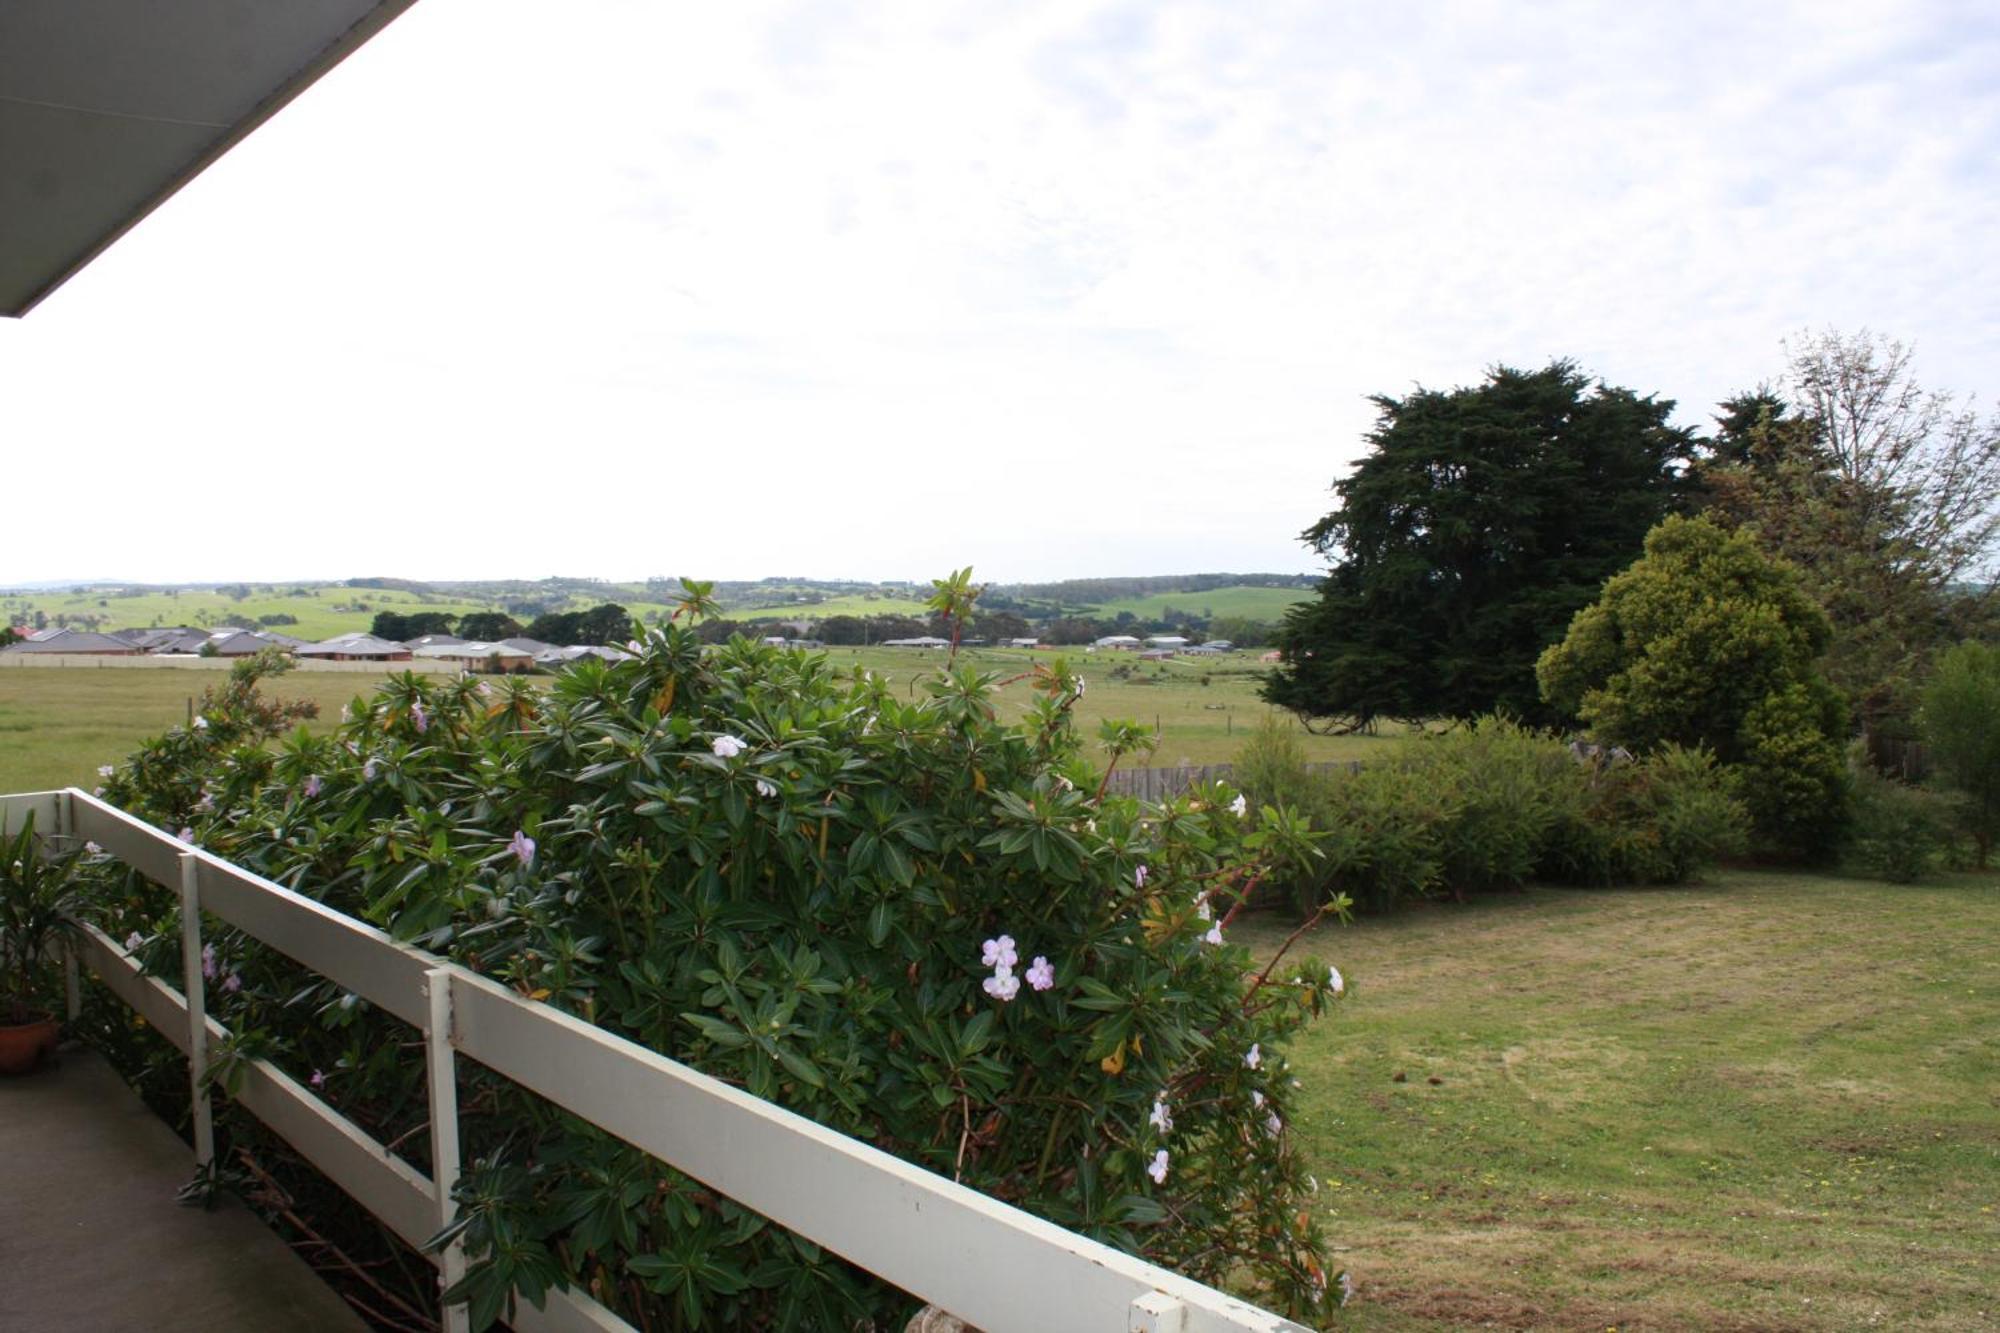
point(991, 1264)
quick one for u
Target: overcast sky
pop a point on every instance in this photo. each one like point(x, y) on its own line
point(622, 287)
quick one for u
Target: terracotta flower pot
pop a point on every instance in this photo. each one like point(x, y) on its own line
point(23, 1046)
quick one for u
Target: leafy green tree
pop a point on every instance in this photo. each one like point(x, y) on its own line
point(1706, 641)
point(399, 628)
point(1885, 496)
point(842, 631)
point(1242, 631)
point(1072, 630)
point(1481, 522)
point(488, 626)
point(605, 624)
point(1960, 721)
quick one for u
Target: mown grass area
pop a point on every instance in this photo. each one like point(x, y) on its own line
point(58, 724)
point(1768, 1102)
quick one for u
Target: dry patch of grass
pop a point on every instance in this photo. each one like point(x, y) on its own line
point(1771, 1102)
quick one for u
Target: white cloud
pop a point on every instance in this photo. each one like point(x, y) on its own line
point(880, 290)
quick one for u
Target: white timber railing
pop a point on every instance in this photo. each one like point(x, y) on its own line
point(992, 1265)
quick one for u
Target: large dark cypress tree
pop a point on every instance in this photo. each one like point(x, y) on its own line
point(1483, 520)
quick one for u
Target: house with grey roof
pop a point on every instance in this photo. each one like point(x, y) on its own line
point(73, 641)
point(358, 646)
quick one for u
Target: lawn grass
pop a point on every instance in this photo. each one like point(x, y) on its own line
point(1769, 1102)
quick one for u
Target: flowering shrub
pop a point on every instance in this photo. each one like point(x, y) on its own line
point(900, 917)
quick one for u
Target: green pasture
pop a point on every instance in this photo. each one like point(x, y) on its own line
point(58, 724)
point(317, 614)
point(858, 604)
point(1268, 604)
point(1767, 1102)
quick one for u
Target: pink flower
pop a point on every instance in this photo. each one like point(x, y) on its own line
point(1158, 1169)
point(186, 834)
point(133, 941)
point(1139, 877)
point(1002, 985)
point(523, 848)
point(232, 983)
point(208, 962)
point(1041, 975)
point(999, 953)
point(312, 785)
point(318, 1080)
point(368, 770)
point(421, 716)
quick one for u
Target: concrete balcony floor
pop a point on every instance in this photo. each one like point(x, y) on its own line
point(91, 1236)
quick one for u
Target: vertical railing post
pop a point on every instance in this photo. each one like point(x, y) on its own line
point(194, 987)
point(72, 984)
point(1156, 1312)
point(443, 1074)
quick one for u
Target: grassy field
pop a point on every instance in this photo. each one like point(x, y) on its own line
point(57, 726)
point(858, 605)
point(1772, 1102)
point(1269, 604)
point(322, 613)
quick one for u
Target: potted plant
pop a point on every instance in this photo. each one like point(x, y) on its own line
point(37, 894)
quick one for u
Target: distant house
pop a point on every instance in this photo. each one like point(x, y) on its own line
point(434, 641)
point(561, 657)
point(532, 647)
point(73, 641)
point(1173, 641)
point(1220, 645)
point(1202, 650)
point(1124, 642)
point(922, 641)
point(240, 643)
point(475, 656)
point(1156, 654)
point(358, 646)
point(1029, 642)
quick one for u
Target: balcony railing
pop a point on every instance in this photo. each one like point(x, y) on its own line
point(992, 1265)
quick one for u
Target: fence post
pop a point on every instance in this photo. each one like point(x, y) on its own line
point(443, 1078)
point(1156, 1312)
point(194, 987)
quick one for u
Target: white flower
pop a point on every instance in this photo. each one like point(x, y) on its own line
point(92, 849)
point(368, 770)
point(1161, 1118)
point(1139, 877)
point(1273, 1126)
point(133, 941)
point(1041, 973)
point(200, 723)
point(1346, 1287)
point(1214, 935)
point(1239, 807)
point(1202, 909)
point(1003, 985)
point(1335, 982)
point(765, 789)
point(1257, 1099)
point(728, 747)
point(1158, 1170)
point(999, 953)
point(1079, 687)
point(187, 835)
point(106, 770)
point(1062, 783)
point(1255, 1055)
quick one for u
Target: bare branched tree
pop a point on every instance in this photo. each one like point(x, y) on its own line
point(1919, 467)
